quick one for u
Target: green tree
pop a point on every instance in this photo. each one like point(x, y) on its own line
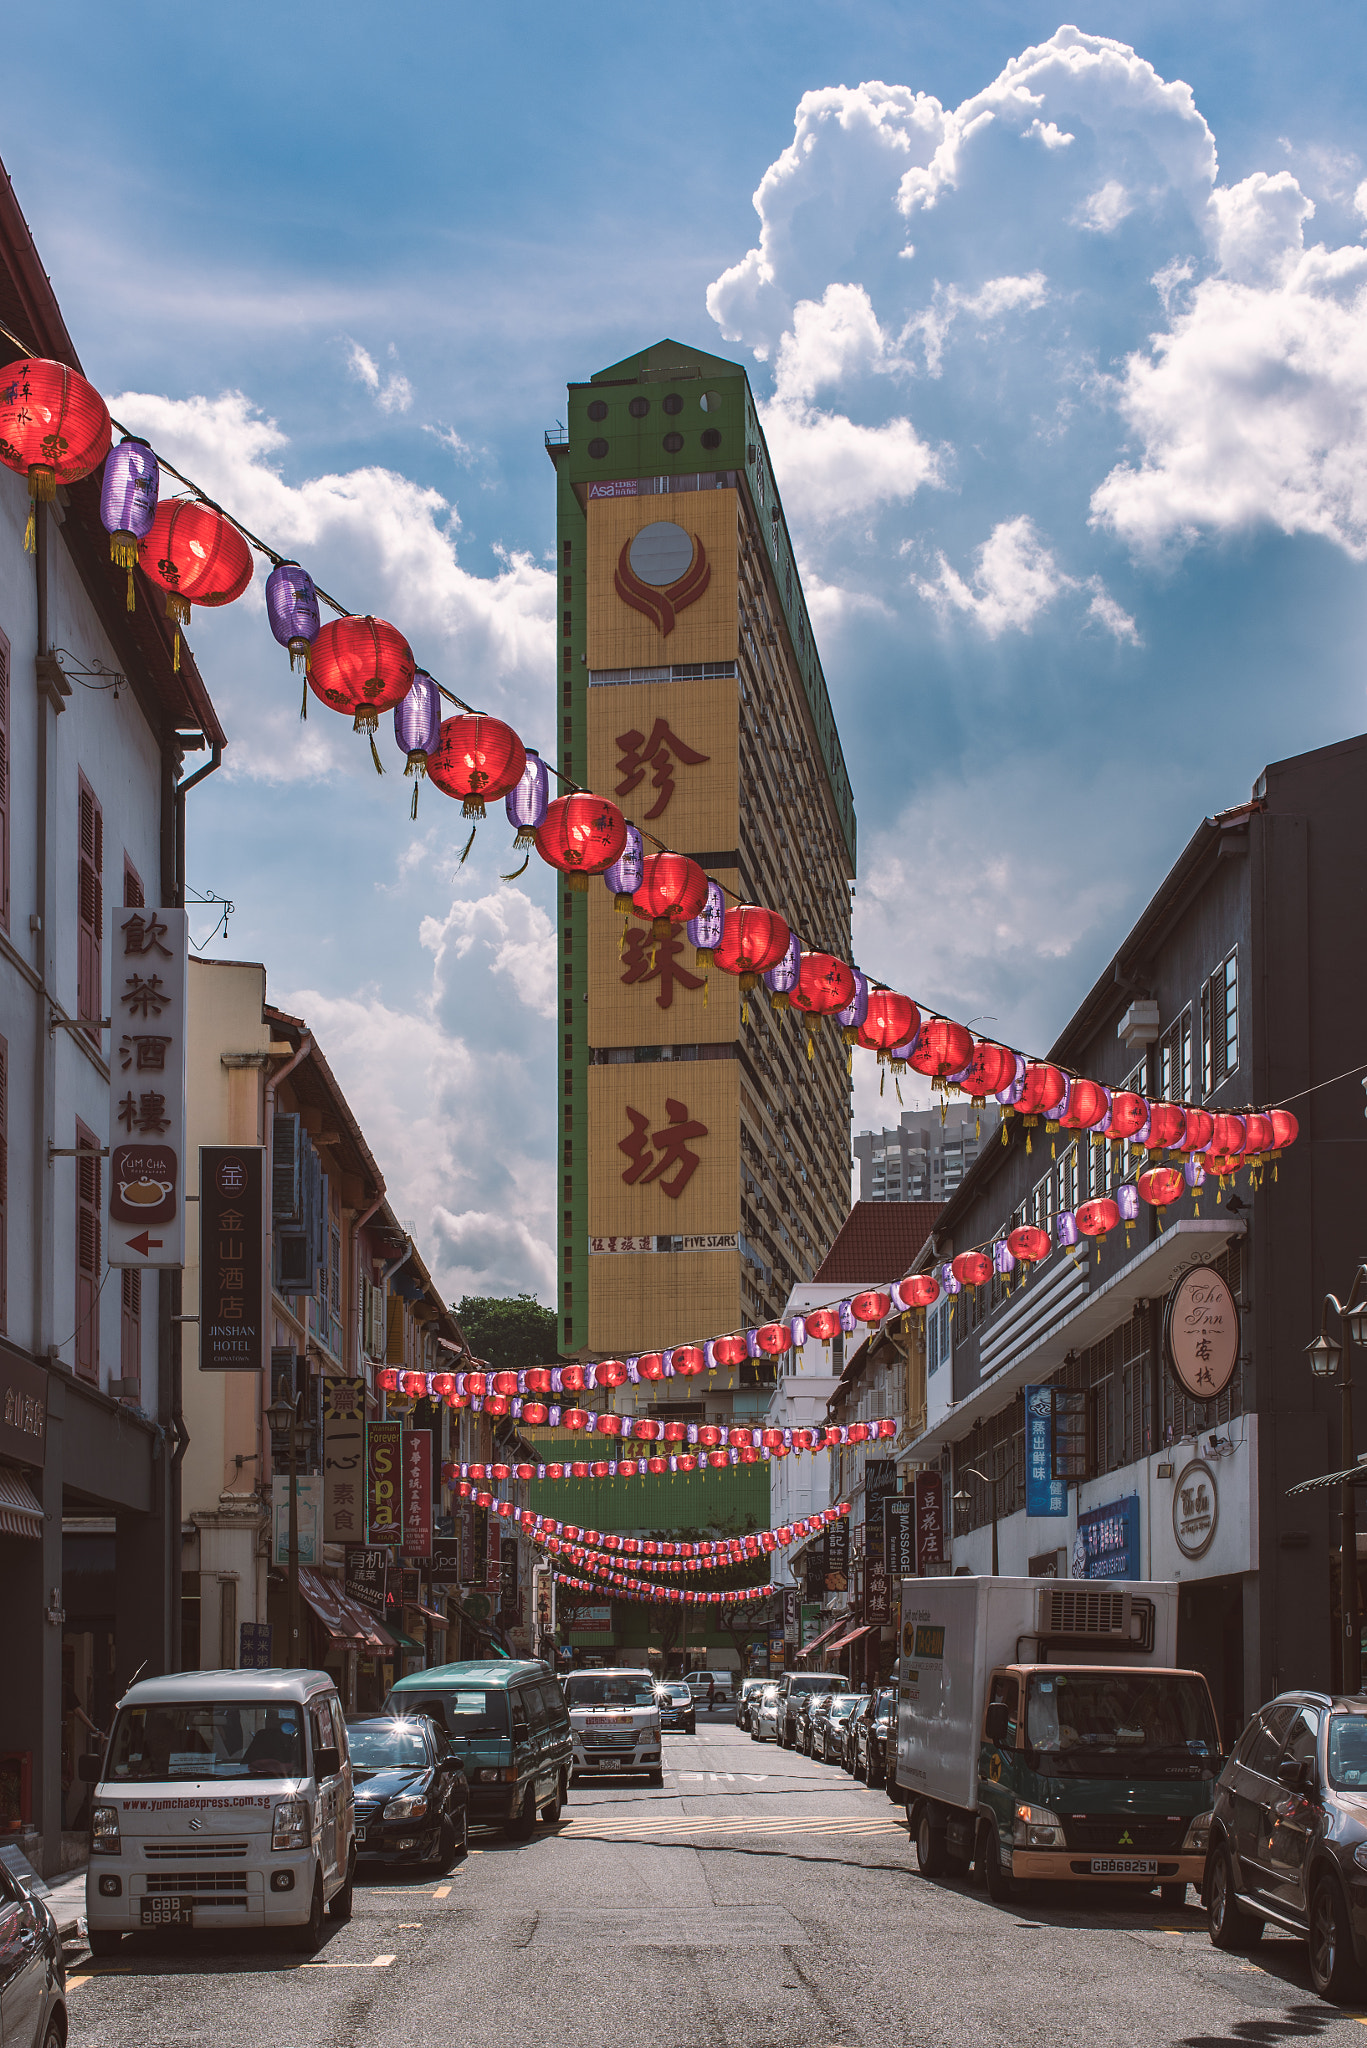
point(511, 1331)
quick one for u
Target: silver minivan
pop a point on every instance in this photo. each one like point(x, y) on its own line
point(224, 1799)
point(615, 1722)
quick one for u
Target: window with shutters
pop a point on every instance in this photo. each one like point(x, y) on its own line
point(88, 1212)
point(4, 783)
point(335, 1293)
point(130, 1329)
point(1174, 1060)
point(4, 1185)
point(134, 896)
point(1220, 1025)
point(89, 979)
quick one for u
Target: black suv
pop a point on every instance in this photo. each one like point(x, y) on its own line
point(1288, 1836)
point(875, 1731)
point(791, 1688)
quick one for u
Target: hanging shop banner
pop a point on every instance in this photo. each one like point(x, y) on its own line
point(234, 1306)
point(899, 1535)
point(877, 1593)
point(148, 950)
point(384, 1487)
point(308, 1514)
point(1044, 1495)
point(444, 1569)
point(254, 1646)
point(471, 1545)
point(1107, 1542)
point(508, 1581)
point(417, 1493)
point(811, 1621)
point(365, 1577)
point(880, 1483)
point(343, 1460)
point(930, 1522)
point(1201, 1333)
point(791, 1599)
point(493, 1557)
point(837, 1578)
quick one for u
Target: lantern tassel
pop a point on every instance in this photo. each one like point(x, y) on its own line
point(473, 807)
point(516, 871)
point(300, 654)
point(304, 700)
point(123, 552)
point(526, 836)
point(414, 812)
point(468, 844)
point(31, 533)
point(379, 766)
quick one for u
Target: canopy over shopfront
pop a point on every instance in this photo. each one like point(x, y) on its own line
point(817, 1641)
point(853, 1636)
point(345, 1620)
point(21, 1511)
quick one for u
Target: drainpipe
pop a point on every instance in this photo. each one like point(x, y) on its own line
point(354, 1334)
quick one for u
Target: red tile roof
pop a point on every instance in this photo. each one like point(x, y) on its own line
point(877, 1241)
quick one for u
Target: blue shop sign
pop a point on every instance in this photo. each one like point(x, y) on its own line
point(1107, 1542)
point(1044, 1495)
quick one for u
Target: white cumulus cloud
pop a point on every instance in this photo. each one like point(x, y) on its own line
point(1016, 576)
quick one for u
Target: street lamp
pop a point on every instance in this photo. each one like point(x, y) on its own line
point(283, 1416)
point(962, 1497)
point(1329, 1361)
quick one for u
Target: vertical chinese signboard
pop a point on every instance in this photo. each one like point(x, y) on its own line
point(343, 1460)
point(930, 1522)
point(234, 1310)
point(147, 950)
point(1044, 1494)
point(383, 1483)
point(493, 1573)
point(880, 1484)
point(417, 1493)
point(899, 1535)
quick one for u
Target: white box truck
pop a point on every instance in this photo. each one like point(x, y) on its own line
point(1043, 1731)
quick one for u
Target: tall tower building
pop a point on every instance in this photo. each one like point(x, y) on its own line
point(704, 1156)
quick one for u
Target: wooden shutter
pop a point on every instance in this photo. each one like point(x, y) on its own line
point(89, 980)
point(4, 783)
point(130, 1329)
point(4, 1183)
point(89, 1206)
point(134, 896)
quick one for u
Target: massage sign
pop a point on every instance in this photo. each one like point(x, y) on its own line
point(147, 951)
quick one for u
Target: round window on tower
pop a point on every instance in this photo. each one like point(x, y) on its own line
point(598, 449)
point(673, 402)
point(638, 408)
point(710, 401)
point(711, 438)
point(598, 409)
point(673, 443)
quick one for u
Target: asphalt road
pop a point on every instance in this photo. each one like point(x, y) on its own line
point(759, 1901)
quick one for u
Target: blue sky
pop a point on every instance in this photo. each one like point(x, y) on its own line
point(1060, 340)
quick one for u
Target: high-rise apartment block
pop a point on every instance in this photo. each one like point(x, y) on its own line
point(925, 1157)
point(704, 1155)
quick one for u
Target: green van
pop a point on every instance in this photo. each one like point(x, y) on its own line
point(507, 1720)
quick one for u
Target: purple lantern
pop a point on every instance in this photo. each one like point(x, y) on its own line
point(527, 801)
point(292, 608)
point(128, 501)
point(1127, 1201)
point(846, 1315)
point(417, 721)
point(1003, 1260)
point(628, 871)
point(781, 979)
point(798, 1326)
point(1013, 1090)
point(752, 1344)
point(1065, 1224)
point(857, 1008)
point(705, 930)
point(1060, 1108)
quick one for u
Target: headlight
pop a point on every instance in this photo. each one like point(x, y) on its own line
point(1360, 1855)
point(1037, 1828)
point(1197, 1839)
point(104, 1830)
point(290, 1827)
point(407, 1806)
point(497, 1777)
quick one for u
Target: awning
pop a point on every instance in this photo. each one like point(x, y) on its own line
point(854, 1633)
point(437, 1620)
point(345, 1620)
point(402, 1641)
point(21, 1511)
point(817, 1641)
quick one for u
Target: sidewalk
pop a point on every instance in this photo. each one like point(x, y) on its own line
point(66, 1901)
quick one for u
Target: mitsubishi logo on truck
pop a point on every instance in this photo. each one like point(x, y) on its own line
point(1126, 1840)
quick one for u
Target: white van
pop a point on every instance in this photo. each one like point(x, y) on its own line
point(224, 1800)
point(614, 1722)
point(700, 1681)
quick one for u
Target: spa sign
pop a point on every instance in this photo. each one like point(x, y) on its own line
point(147, 1040)
point(1201, 1328)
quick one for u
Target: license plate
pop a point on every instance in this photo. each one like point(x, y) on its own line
point(1124, 1866)
point(170, 1911)
point(360, 1834)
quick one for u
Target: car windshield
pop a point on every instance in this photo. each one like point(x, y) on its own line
point(1348, 1752)
point(388, 1746)
point(769, 1695)
point(677, 1692)
point(845, 1704)
point(1107, 1724)
point(816, 1681)
point(621, 1689)
point(208, 1739)
point(466, 1712)
point(886, 1703)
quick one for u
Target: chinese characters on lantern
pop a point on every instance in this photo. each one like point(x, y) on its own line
point(676, 1165)
point(233, 1307)
point(147, 990)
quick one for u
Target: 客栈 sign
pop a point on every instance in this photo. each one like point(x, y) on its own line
point(1044, 1495)
point(417, 1493)
point(930, 1521)
point(1201, 1333)
point(1107, 1542)
point(234, 1321)
point(148, 950)
point(343, 1460)
point(899, 1535)
point(384, 1483)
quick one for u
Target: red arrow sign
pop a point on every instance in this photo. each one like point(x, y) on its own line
point(145, 1244)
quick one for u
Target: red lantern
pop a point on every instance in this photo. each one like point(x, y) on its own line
point(1129, 1113)
point(752, 941)
point(823, 1324)
point(972, 1269)
point(990, 1067)
point(361, 665)
point(651, 1365)
point(824, 983)
point(611, 1372)
point(386, 1380)
point(730, 1351)
point(443, 1383)
point(525, 1472)
point(495, 1404)
point(676, 1432)
point(1200, 1124)
point(505, 1383)
point(686, 1461)
point(198, 557)
point(718, 1458)
point(941, 1048)
point(1167, 1125)
point(610, 1425)
point(1258, 1135)
point(415, 1383)
point(573, 1379)
point(774, 1339)
point(1086, 1106)
point(657, 1465)
point(772, 1439)
point(1094, 1219)
point(575, 1418)
point(647, 1430)
point(889, 1020)
point(1028, 1243)
point(1041, 1091)
point(599, 1469)
point(578, 1469)
point(54, 427)
point(871, 1306)
point(538, 1380)
point(534, 1413)
point(476, 758)
point(673, 889)
point(689, 1360)
point(1285, 1129)
point(1161, 1185)
point(886, 1428)
point(919, 1290)
point(709, 1435)
point(499, 1471)
point(581, 835)
point(1228, 1135)
point(859, 1432)
point(476, 1383)
point(804, 1439)
point(740, 1439)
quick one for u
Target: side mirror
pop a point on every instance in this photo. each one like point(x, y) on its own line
point(1297, 1773)
point(88, 1769)
point(326, 1763)
point(995, 1724)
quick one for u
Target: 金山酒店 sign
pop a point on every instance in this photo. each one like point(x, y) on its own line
point(233, 1313)
point(148, 950)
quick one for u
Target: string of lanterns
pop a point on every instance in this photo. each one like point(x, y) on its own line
point(648, 1553)
point(692, 1596)
point(679, 1447)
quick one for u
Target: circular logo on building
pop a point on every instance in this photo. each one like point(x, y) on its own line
point(231, 1177)
point(1195, 1509)
point(661, 553)
point(661, 570)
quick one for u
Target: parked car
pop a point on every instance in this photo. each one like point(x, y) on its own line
point(701, 1682)
point(750, 1690)
point(811, 1711)
point(506, 1720)
point(1288, 1836)
point(792, 1688)
point(677, 1709)
point(615, 1719)
point(32, 1976)
point(832, 1730)
point(873, 1730)
point(412, 1801)
point(764, 1715)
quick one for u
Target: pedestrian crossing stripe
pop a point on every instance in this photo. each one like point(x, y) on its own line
point(731, 1825)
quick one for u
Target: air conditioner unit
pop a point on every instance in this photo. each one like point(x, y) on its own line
point(1083, 1607)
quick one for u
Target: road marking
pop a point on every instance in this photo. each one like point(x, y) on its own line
point(408, 1923)
point(442, 1892)
point(375, 1963)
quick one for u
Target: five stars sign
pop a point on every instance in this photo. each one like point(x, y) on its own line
point(148, 950)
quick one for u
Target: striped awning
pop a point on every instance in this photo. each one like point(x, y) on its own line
point(21, 1511)
point(853, 1636)
point(345, 1620)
